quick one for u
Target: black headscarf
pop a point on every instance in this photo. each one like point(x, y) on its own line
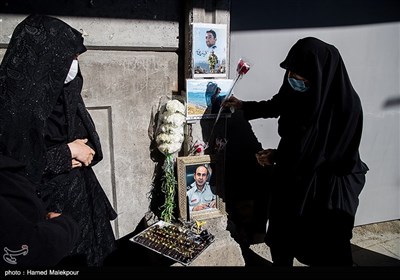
point(327, 119)
point(32, 76)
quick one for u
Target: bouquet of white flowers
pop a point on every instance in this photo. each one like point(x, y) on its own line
point(169, 139)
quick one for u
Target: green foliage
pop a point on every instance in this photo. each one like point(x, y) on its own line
point(169, 186)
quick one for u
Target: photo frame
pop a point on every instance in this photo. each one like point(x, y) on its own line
point(189, 199)
point(204, 97)
point(209, 51)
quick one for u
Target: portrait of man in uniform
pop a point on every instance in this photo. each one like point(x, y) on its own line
point(199, 192)
point(209, 50)
point(199, 187)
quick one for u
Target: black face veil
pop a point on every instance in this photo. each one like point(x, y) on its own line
point(32, 76)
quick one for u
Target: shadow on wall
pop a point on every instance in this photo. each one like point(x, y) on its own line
point(392, 102)
point(245, 186)
point(245, 15)
point(166, 10)
point(311, 13)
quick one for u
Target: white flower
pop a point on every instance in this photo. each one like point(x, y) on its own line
point(174, 106)
point(169, 138)
point(175, 120)
point(169, 148)
point(162, 138)
point(170, 129)
point(170, 133)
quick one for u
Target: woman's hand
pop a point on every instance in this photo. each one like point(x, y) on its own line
point(201, 207)
point(232, 102)
point(76, 163)
point(81, 153)
point(52, 215)
point(213, 204)
point(266, 157)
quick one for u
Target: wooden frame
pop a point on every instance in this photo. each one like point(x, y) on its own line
point(186, 169)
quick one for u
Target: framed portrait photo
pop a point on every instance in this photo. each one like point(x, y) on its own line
point(205, 96)
point(209, 50)
point(199, 188)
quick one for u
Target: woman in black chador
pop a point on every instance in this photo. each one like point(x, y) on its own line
point(318, 173)
point(45, 125)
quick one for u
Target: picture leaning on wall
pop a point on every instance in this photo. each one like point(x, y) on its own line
point(200, 187)
point(205, 96)
point(209, 50)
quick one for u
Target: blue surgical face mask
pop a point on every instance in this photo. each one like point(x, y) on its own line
point(297, 85)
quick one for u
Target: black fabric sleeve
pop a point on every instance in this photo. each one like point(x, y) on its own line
point(262, 109)
point(93, 137)
point(27, 238)
point(58, 159)
point(30, 244)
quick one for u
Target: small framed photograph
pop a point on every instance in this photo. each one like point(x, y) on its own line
point(204, 97)
point(200, 188)
point(209, 50)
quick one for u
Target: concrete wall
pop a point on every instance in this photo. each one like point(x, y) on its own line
point(367, 33)
point(138, 53)
point(130, 64)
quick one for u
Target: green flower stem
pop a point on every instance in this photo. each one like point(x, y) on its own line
point(168, 187)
